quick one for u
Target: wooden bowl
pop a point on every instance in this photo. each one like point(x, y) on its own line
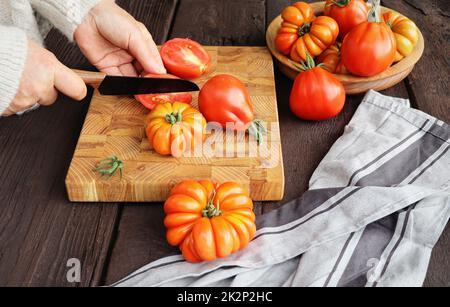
point(353, 84)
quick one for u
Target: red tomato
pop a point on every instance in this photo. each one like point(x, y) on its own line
point(185, 58)
point(369, 49)
point(317, 94)
point(225, 99)
point(151, 100)
point(347, 13)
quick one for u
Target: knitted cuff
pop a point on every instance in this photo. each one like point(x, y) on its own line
point(64, 15)
point(13, 55)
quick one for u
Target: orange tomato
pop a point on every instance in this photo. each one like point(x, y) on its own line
point(302, 33)
point(315, 38)
point(225, 99)
point(208, 221)
point(347, 13)
point(370, 47)
point(405, 31)
point(174, 128)
point(294, 18)
point(331, 60)
point(317, 94)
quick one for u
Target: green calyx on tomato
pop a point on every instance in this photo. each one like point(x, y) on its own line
point(308, 64)
point(212, 211)
point(174, 118)
point(257, 130)
point(305, 29)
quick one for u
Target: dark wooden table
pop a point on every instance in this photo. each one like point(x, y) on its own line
point(40, 229)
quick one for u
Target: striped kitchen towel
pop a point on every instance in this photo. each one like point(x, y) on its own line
point(376, 207)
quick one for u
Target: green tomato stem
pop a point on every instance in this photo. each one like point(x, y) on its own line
point(110, 166)
point(342, 3)
point(375, 11)
point(258, 130)
point(308, 64)
point(174, 118)
point(212, 211)
point(304, 29)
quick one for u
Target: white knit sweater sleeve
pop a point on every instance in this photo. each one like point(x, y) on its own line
point(13, 55)
point(66, 15)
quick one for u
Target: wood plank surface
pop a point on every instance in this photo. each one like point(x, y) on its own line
point(428, 84)
point(222, 23)
point(40, 229)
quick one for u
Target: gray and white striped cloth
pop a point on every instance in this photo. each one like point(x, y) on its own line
point(376, 207)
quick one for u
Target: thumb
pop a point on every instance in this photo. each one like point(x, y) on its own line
point(69, 83)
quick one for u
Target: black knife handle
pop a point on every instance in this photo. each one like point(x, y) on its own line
point(91, 78)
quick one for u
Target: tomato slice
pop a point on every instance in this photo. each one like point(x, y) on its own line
point(185, 58)
point(151, 100)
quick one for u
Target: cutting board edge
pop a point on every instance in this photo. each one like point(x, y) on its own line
point(277, 193)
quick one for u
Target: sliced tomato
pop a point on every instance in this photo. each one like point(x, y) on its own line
point(151, 100)
point(185, 58)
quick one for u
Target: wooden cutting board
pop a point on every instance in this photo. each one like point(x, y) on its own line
point(115, 126)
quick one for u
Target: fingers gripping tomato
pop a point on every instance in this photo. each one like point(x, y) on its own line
point(331, 60)
point(208, 221)
point(185, 58)
point(174, 128)
point(347, 13)
point(317, 94)
point(370, 48)
point(151, 100)
point(405, 32)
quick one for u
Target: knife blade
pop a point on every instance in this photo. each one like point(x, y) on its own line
point(119, 85)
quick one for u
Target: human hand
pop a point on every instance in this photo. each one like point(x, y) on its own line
point(42, 78)
point(117, 44)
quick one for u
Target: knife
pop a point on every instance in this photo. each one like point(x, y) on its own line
point(119, 85)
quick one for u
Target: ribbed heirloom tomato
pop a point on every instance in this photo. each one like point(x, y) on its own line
point(294, 18)
point(405, 31)
point(174, 128)
point(370, 48)
point(317, 94)
point(347, 13)
point(315, 38)
point(301, 33)
point(151, 100)
point(209, 221)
